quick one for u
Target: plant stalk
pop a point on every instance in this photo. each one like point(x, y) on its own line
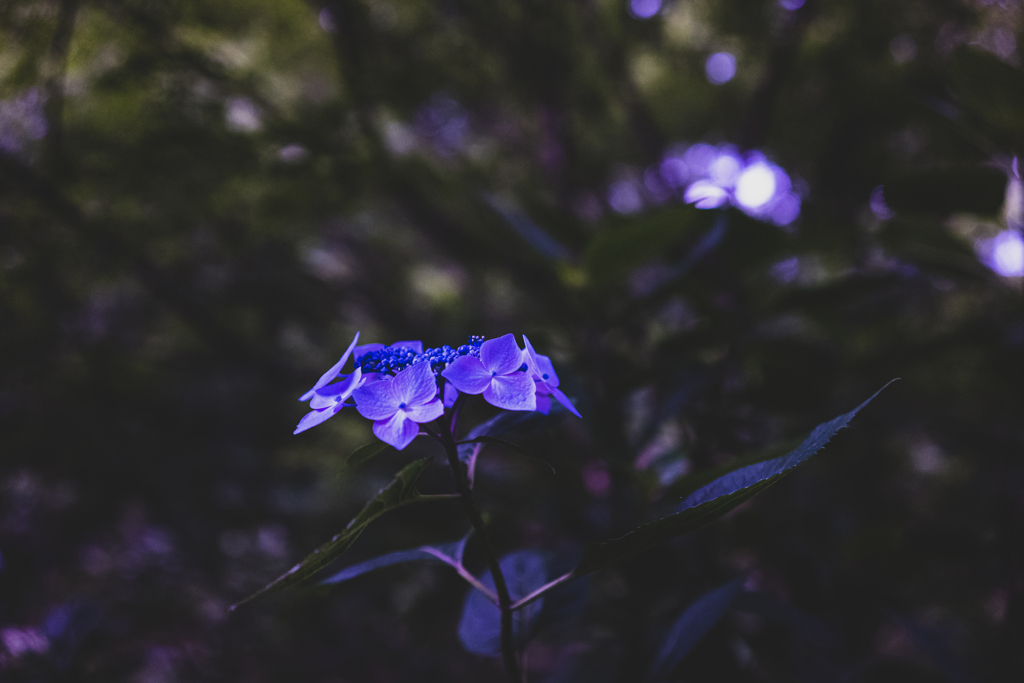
point(508, 646)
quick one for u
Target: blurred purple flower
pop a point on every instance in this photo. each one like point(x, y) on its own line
point(750, 183)
point(496, 374)
point(705, 194)
point(546, 381)
point(398, 405)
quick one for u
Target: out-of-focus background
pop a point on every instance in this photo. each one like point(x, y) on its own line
point(201, 203)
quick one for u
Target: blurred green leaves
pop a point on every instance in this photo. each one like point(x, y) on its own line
point(400, 492)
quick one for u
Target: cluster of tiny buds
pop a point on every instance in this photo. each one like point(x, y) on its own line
point(391, 361)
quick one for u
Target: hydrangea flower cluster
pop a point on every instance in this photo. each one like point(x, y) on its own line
point(402, 385)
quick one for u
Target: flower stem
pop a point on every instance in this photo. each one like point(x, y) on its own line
point(508, 647)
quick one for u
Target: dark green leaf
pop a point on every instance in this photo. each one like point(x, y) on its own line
point(692, 625)
point(367, 452)
point(401, 491)
point(710, 502)
point(689, 483)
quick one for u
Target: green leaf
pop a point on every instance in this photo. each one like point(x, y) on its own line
point(713, 500)
point(400, 492)
point(367, 452)
point(689, 483)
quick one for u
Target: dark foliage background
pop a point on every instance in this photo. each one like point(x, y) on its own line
point(201, 202)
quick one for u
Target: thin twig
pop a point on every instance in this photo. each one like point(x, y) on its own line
point(537, 594)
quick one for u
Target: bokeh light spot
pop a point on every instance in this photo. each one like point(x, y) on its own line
point(724, 170)
point(326, 20)
point(242, 115)
point(903, 49)
point(756, 186)
point(624, 198)
point(720, 67)
point(1007, 254)
point(644, 9)
point(675, 171)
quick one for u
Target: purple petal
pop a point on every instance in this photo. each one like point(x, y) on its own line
point(531, 357)
point(333, 372)
point(337, 392)
point(468, 375)
point(547, 371)
point(416, 346)
point(501, 355)
point(512, 392)
point(451, 394)
point(425, 412)
point(543, 403)
point(540, 366)
point(316, 417)
point(396, 430)
point(325, 398)
point(705, 195)
point(564, 400)
point(376, 400)
point(416, 384)
point(367, 348)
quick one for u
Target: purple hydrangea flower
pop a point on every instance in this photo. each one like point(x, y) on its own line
point(335, 371)
point(496, 374)
point(451, 394)
point(546, 381)
point(416, 346)
point(328, 401)
point(398, 405)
